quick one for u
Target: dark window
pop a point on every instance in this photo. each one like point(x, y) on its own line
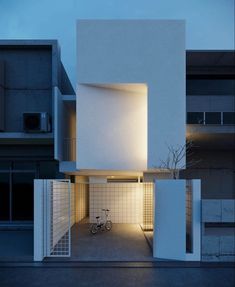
point(213, 118)
point(22, 196)
point(22, 165)
point(4, 196)
point(4, 165)
point(194, 118)
point(48, 169)
point(229, 118)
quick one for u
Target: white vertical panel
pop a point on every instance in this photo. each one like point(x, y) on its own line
point(38, 220)
point(169, 240)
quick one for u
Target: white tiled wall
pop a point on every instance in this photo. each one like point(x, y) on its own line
point(125, 201)
point(147, 223)
point(72, 205)
point(81, 201)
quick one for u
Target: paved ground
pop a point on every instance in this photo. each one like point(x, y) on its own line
point(125, 242)
point(114, 277)
point(16, 245)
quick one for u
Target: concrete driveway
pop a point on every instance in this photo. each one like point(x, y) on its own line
point(125, 242)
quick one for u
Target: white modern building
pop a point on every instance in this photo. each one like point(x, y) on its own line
point(112, 137)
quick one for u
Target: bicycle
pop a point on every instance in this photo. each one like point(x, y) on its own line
point(107, 224)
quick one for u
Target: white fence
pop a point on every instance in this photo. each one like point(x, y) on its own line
point(52, 218)
point(59, 202)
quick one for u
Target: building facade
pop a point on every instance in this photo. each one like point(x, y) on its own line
point(138, 92)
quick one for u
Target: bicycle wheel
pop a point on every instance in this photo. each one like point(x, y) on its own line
point(93, 228)
point(108, 225)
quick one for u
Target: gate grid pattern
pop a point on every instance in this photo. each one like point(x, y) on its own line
point(60, 234)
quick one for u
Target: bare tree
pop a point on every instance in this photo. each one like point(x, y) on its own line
point(175, 157)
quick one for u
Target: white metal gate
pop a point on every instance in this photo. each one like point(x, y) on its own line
point(58, 216)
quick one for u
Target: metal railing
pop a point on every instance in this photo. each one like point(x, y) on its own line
point(204, 118)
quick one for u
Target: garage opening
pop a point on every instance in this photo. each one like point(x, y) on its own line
point(64, 212)
point(128, 206)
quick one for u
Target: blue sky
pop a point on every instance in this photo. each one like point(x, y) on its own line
point(209, 23)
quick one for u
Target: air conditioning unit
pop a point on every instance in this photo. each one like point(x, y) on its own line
point(36, 122)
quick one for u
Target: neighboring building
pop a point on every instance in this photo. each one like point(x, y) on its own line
point(29, 71)
point(211, 126)
point(111, 137)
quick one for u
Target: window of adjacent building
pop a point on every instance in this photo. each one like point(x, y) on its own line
point(195, 118)
point(24, 165)
point(22, 196)
point(4, 165)
point(212, 118)
point(4, 196)
point(229, 118)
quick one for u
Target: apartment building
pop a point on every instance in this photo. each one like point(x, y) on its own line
point(29, 71)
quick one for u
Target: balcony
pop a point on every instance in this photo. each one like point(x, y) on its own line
point(211, 129)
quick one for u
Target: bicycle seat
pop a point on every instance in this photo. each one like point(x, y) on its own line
point(97, 217)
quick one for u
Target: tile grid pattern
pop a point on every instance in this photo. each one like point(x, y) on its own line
point(125, 201)
point(81, 201)
point(60, 219)
point(148, 206)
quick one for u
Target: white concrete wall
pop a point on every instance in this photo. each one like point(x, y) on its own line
point(169, 235)
point(112, 129)
point(134, 51)
point(169, 239)
point(125, 201)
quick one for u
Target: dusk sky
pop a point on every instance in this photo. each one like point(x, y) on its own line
point(209, 23)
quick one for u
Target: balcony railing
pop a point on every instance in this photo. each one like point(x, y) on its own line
point(69, 149)
point(211, 118)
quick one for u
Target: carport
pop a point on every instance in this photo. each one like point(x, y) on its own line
point(64, 210)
